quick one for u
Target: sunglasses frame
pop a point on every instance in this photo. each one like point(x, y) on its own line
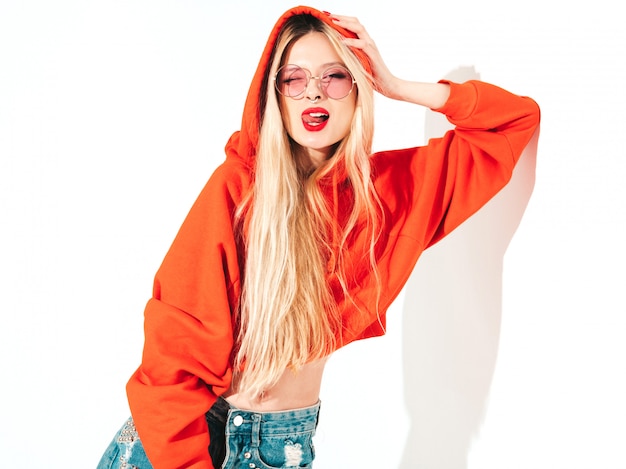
point(309, 77)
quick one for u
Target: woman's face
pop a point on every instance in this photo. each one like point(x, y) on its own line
point(316, 124)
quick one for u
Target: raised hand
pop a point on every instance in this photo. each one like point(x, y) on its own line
point(432, 95)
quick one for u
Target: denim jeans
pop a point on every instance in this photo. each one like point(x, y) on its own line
point(239, 439)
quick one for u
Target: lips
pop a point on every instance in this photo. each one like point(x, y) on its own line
point(315, 119)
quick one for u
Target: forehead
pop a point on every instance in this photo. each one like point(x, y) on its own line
point(313, 50)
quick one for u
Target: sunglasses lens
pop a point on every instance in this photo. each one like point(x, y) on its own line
point(337, 82)
point(292, 81)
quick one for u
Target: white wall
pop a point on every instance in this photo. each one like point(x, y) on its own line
point(506, 349)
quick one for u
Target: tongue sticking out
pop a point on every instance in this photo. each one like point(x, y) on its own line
point(315, 118)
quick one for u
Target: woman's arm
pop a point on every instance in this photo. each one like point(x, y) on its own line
point(446, 181)
point(189, 330)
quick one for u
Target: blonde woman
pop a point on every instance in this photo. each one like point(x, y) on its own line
point(298, 244)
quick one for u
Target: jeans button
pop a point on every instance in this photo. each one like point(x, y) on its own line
point(247, 455)
point(238, 420)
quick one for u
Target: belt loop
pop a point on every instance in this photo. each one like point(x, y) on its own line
point(256, 430)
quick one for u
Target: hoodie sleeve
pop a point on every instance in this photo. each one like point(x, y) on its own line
point(189, 331)
point(431, 190)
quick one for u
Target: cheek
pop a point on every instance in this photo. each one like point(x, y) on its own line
point(346, 121)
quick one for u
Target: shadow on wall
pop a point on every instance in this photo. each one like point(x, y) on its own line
point(451, 319)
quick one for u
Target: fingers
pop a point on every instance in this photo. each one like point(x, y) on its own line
point(350, 23)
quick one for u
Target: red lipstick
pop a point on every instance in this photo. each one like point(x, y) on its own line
point(315, 119)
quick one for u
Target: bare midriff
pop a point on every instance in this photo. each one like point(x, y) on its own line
point(294, 390)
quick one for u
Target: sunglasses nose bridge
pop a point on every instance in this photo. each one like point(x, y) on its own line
point(310, 78)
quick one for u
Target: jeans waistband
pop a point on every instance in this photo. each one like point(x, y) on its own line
point(246, 421)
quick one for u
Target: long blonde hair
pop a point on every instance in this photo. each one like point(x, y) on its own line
point(292, 237)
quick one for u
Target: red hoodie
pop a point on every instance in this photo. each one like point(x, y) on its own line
point(427, 192)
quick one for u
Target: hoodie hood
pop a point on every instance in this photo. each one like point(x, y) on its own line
point(243, 143)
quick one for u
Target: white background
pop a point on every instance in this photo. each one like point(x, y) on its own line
point(504, 351)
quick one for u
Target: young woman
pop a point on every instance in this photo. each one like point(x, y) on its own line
point(298, 244)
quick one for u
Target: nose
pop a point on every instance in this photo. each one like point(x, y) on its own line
point(313, 90)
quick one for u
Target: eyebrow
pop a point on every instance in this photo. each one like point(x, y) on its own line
point(322, 66)
point(330, 64)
